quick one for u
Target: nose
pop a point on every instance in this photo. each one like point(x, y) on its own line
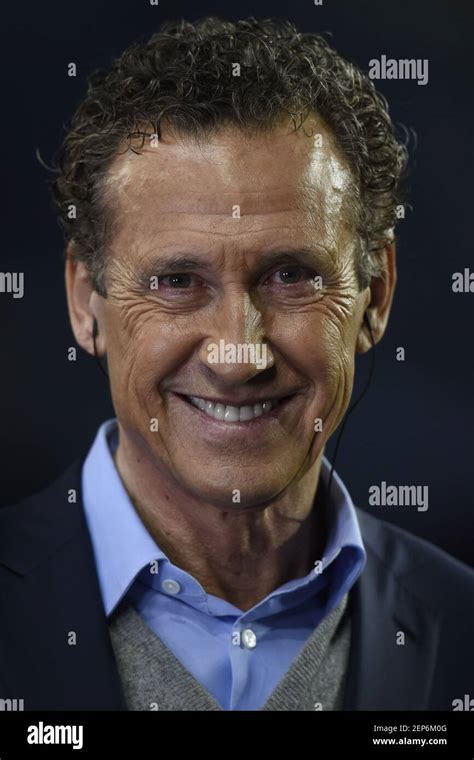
point(235, 349)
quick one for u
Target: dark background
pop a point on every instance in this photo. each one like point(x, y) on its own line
point(415, 425)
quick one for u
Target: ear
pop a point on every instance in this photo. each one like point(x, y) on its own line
point(381, 297)
point(84, 304)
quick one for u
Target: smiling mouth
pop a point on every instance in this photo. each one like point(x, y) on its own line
point(232, 414)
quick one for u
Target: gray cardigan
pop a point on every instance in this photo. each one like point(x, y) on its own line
point(154, 679)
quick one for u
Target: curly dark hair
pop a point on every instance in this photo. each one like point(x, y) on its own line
point(182, 77)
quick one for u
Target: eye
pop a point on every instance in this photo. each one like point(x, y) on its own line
point(293, 275)
point(185, 290)
point(177, 281)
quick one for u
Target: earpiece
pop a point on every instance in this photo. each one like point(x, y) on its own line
point(367, 322)
point(95, 332)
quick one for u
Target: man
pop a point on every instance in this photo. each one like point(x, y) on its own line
point(229, 193)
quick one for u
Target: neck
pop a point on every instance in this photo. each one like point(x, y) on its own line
point(244, 554)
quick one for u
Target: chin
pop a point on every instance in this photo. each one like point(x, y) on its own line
point(238, 493)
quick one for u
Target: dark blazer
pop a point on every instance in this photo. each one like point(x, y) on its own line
point(49, 588)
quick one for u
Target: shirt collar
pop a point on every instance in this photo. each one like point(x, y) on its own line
point(123, 546)
point(343, 526)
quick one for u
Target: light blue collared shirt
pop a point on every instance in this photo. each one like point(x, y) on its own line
point(239, 657)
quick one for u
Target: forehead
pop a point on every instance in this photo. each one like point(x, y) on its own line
point(280, 179)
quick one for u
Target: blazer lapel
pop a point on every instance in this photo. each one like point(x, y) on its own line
point(54, 629)
point(394, 636)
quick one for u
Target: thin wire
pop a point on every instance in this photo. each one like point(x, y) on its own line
point(366, 387)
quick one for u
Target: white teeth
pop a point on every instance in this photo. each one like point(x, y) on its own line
point(219, 411)
point(232, 414)
point(201, 403)
point(227, 413)
point(246, 413)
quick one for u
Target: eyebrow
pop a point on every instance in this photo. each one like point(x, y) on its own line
point(174, 263)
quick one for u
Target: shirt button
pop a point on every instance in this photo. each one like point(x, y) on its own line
point(249, 640)
point(171, 586)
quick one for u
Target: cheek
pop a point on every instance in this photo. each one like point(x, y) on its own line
point(339, 360)
point(143, 349)
point(324, 350)
point(338, 350)
point(319, 345)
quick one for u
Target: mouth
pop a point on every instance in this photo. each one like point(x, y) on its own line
point(232, 414)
